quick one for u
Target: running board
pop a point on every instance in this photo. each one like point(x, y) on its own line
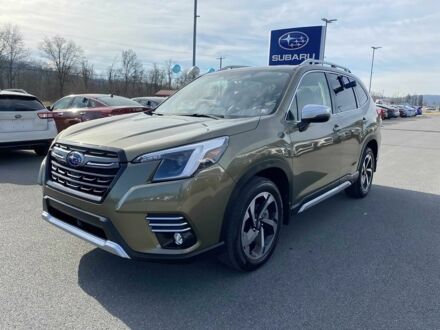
point(324, 196)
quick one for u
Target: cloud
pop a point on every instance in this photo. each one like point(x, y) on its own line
point(160, 30)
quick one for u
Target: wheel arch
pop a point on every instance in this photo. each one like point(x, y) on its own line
point(275, 170)
point(372, 143)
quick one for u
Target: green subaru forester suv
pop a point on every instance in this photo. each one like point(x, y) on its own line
point(220, 166)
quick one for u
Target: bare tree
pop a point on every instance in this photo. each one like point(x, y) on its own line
point(156, 77)
point(63, 56)
point(131, 69)
point(184, 79)
point(87, 73)
point(112, 76)
point(169, 73)
point(13, 51)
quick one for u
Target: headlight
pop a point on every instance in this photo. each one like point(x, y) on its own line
point(183, 162)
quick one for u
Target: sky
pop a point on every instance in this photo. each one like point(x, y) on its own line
point(408, 31)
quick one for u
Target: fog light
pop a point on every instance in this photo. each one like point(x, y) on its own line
point(178, 239)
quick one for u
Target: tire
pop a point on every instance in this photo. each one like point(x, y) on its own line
point(360, 188)
point(41, 151)
point(250, 240)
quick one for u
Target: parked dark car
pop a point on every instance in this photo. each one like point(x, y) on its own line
point(75, 109)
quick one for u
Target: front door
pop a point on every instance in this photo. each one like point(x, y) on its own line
point(315, 150)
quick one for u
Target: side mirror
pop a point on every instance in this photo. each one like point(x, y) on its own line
point(49, 107)
point(314, 113)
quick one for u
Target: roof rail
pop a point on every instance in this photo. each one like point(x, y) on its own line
point(333, 65)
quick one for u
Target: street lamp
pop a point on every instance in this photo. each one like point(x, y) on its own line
point(372, 63)
point(195, 32)
point(221, 58)
point(327, 22)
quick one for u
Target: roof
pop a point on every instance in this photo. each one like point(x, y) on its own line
point(165, 92)
point(9, 93)
point(150, 98)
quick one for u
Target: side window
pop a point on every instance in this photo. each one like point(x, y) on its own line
point(94, 104)
point(80, 102)
point(344, 97)
point(62, 104)
point(361, 95)
point(313, 89)
point(293, 111)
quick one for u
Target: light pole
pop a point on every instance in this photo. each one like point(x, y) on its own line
point(372, 64)
point(195, 32)
point(221, 58)
point(327, 22)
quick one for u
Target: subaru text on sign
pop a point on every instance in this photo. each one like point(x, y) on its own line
point(292, 46)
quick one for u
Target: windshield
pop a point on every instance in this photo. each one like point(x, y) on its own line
point(229, 94)
point(117, 101)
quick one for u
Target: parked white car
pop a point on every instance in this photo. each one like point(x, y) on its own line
point(25, 123)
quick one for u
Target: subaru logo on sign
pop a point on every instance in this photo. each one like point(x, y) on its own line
point(75, 159)
point(294, 45)
point(293, 40)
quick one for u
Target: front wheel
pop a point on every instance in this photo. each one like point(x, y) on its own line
point(253, 225)
point(361, 187)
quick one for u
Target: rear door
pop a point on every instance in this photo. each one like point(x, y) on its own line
point(350, 121)
point(19, 113)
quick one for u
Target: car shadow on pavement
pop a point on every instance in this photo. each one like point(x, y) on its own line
point(338, 263)
point(19, 167)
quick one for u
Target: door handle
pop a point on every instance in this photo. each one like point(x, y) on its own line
point(336, 128)
point(17, 116)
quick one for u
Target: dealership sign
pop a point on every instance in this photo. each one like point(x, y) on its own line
point(292, 46)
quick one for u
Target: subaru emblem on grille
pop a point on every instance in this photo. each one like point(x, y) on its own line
point(75, 159)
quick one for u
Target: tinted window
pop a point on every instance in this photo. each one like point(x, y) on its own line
point(361, 95)
point(116, 101)
point(62, 104)
point(94, 104)
point(17, 103)
point(313, 89)
point(79, 102)
point(344, 97)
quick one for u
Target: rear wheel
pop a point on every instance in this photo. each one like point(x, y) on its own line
point(41, 150)
point(361, 187)
point(253, 225)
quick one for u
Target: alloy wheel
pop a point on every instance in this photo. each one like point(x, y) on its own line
point(367, 172)
point(259, 226)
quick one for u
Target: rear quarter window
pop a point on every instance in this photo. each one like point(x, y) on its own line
point(361, 95)
point(19, 103)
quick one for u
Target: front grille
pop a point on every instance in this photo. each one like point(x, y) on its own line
point(91, 179)
point(168, 224)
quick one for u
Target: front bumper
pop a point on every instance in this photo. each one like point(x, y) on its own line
point(119, 224)
point(25, 144)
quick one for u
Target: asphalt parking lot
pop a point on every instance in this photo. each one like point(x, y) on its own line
point(345, 264)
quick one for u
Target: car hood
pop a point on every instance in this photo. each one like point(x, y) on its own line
point(141, 133)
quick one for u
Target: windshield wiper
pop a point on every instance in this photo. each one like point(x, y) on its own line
point(204, 115)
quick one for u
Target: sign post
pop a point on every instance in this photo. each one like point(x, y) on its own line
point(295, 45)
